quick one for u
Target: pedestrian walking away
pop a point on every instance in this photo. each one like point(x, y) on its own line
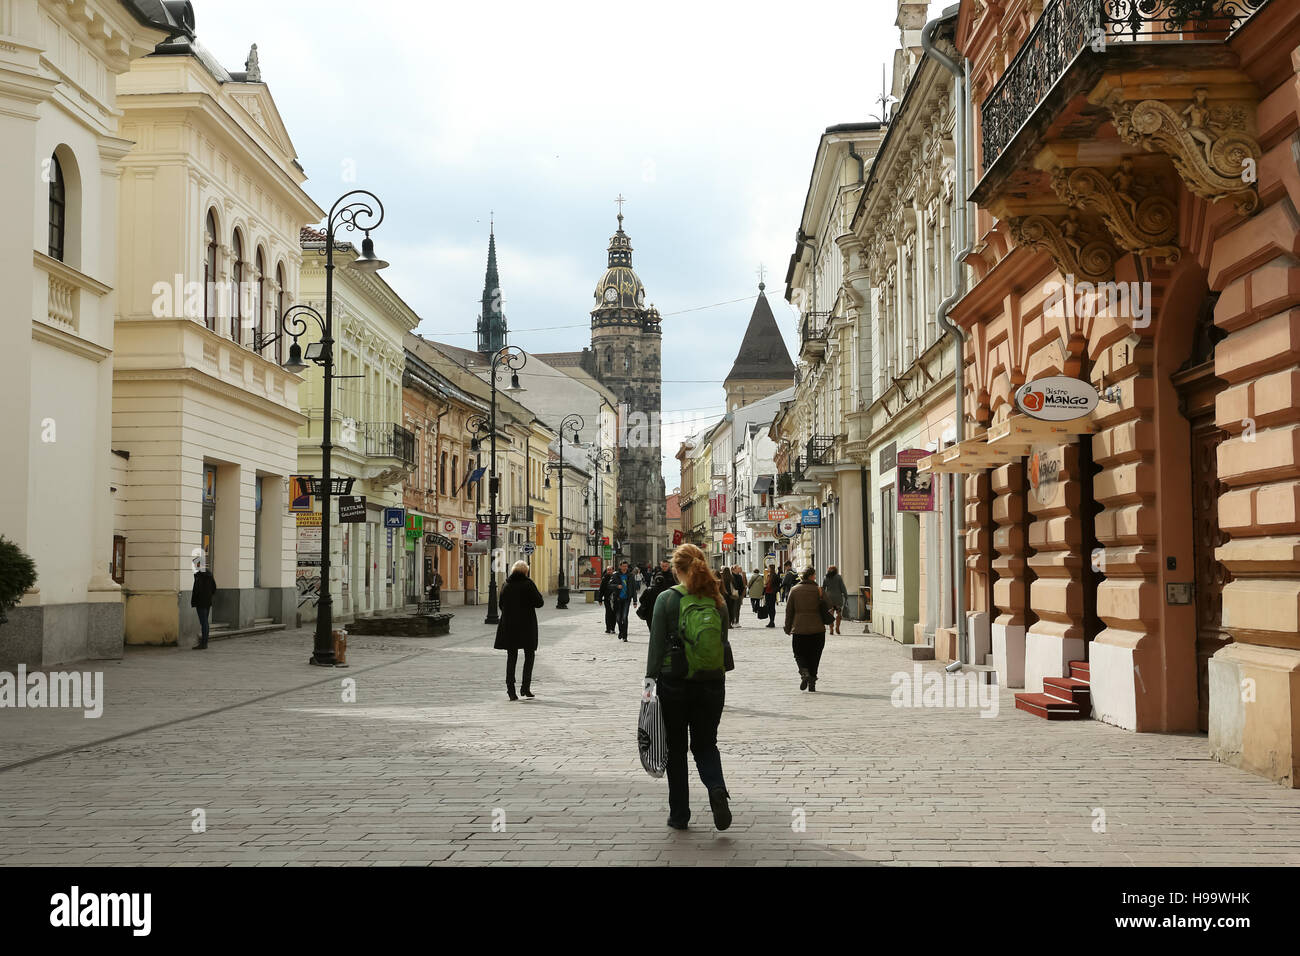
point(606, 597)
point(756, 590)
point(836, 594)
point(737, 592)
point(771, 585)
point(687, 659)
point(201, 595)
point(517, 626)
point(788, 580)
point(805, 620)
point(626, 584)
point(663, 580)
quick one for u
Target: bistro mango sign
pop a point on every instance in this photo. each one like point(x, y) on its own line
point(1056, 399)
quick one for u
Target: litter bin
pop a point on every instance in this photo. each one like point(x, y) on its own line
point(591, 597)
point(341, 648)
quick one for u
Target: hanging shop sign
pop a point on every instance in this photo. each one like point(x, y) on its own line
point(789, 527)
point(888, 457)
point(414, 527)
point(300, 497)
point(441, 540)
point(394, 517)
point(1056, 399)
point(915, 489)
point(352, 509)
point(728, 541)
point(1045, 470)
point(777, 514)
point(811, 517)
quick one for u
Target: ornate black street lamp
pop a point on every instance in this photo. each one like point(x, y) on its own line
point(513, 358)
point(572, 423)
point(355, 210)
point(603, 456)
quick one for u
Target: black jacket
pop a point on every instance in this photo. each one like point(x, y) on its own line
point(519, 601)
point(205, 586)
point(662, 582)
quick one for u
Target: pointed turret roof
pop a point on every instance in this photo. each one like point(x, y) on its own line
point(492, 320)
point(762, 352)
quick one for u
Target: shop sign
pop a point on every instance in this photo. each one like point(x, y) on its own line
point(394, 517)
point(811, 517)
point(440, 540)
point(728, 541)
point(789, 527)
point(777, 514)
point(889, 457)
point(915, 490)
point(299, 494)
point(352, 509)
point(1045, 468)
point(1057, 399)
point(450, 527)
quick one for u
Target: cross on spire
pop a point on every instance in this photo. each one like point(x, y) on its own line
point(762, 274)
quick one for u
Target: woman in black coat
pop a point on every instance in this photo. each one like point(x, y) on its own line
point(517, 625)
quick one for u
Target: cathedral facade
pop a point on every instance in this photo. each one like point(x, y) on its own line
point(626, 343)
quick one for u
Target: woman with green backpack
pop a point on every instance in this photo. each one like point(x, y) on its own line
point(688, 659)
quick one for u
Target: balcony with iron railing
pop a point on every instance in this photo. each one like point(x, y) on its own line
point(814, 330)
point(1074, 40)
point(820, 450)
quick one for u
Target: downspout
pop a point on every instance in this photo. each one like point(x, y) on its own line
point(961, 102)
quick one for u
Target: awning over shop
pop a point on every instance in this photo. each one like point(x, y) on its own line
point(763, 486)
point(1004, 442)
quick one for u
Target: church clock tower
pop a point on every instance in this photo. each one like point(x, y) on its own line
point(625, 352)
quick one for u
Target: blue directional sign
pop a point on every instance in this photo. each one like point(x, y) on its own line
point(811, 517)
point(394, 517)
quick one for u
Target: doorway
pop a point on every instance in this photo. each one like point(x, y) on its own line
point(1198, 388)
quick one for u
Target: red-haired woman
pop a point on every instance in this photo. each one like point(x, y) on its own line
point(693, 705)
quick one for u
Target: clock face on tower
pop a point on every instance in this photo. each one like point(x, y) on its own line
point(611, 294)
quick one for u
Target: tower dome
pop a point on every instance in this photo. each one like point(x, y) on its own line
point(620, 288)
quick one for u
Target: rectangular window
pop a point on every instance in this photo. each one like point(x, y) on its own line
point(888, 523)
point(118, 567)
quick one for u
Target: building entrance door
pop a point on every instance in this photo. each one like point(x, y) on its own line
point(1197, 390)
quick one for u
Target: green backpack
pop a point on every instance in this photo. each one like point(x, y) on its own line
point(697, 637)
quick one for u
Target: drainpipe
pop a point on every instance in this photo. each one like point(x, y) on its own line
point(961, 102)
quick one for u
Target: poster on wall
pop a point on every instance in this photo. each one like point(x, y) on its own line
point(915, 489)
point(589, 566)
point(300, 499)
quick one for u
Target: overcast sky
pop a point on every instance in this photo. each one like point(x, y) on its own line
point(705, 116)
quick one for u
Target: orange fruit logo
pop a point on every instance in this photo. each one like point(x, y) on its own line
point(1032, 401)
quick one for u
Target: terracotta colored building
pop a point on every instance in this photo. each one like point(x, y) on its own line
point(1137, 230)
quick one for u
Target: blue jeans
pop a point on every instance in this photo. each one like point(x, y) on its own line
point(694, 706)
point(203, 623)
point(623, 605)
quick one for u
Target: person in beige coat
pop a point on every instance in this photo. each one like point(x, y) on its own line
point(805, 622)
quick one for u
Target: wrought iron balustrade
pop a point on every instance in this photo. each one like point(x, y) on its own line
point(819, 450)
point(387, 440)
point(1067, 27)
point(815, 327)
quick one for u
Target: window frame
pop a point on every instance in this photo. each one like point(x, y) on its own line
point(57, 195)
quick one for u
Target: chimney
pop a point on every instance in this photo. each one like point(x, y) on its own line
point(911, 20)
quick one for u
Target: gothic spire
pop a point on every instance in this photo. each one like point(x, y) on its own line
point(492, 320)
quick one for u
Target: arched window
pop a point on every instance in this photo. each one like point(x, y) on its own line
point(210, 273)
point(282, 303)
point(236, 286)
point(58, 209)
point(259, 296)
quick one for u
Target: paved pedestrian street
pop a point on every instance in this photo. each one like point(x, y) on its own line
point(433, 765)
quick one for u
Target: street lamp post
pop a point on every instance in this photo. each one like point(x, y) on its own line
point(513, 358)
point(574, 423)
point(358, 209)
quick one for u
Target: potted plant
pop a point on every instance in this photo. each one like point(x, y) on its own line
point(17, 575)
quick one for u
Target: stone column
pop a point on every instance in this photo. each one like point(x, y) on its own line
point(1056, 595)
point(1011, 588)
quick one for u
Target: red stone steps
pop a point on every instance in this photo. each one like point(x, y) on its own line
point(1063, 698)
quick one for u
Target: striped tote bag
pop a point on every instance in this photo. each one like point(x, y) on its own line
point(651, 737)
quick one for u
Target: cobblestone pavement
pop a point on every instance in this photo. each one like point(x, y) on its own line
point(431, 753)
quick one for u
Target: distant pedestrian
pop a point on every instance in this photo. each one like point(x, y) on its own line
point(626, 585)
point(517, 625)
point(662, 581)
point(771, 585)
point(806, 625)
point(756, 590)
point(435, 587)
point(201, 595)
point(836, 594)
point(788, 580)
point(606, 596)
point(737, 592)
point(692, 705)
